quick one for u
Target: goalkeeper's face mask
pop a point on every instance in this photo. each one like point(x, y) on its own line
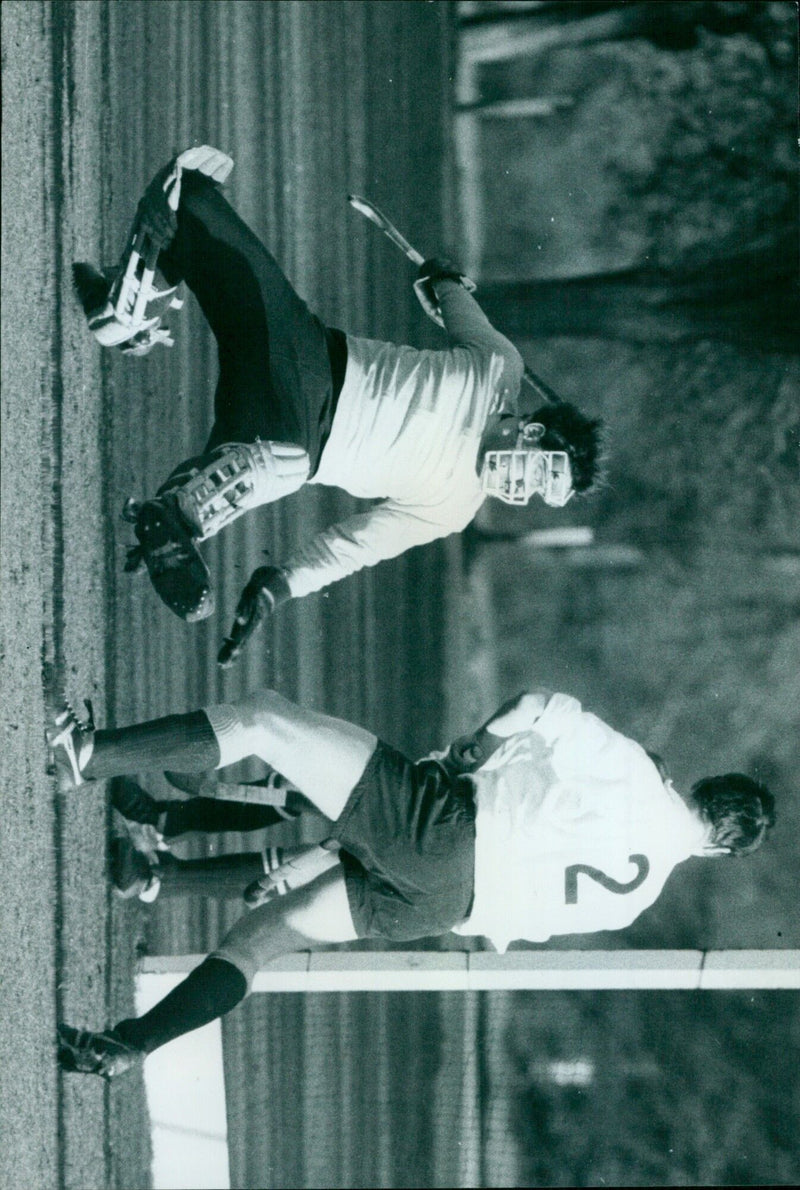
point(516, 474)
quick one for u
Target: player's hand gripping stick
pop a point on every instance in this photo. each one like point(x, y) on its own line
point(422, 286)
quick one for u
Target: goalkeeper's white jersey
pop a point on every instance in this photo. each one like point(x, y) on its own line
point(407, 429)
point(575, 830)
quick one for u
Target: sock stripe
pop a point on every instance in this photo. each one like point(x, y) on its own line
point(225, 724)
point(273, 858)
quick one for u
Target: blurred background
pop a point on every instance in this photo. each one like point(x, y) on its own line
point(621, 181)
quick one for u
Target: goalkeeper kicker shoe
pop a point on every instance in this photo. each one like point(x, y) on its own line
point(124, 306)
point(167, 548)
point(83, 1052)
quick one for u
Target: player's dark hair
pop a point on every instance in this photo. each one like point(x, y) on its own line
point(566, 428)
point(739, 810)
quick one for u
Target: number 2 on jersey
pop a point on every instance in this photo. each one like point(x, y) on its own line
point(615, 886)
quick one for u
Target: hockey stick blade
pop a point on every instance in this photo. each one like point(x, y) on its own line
point(370, 211)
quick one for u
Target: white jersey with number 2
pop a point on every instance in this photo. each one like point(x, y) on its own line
point(575, 831)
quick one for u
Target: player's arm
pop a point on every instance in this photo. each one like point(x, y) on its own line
point(364, 539)
point(465, 322)
point(383, 531)
point(521, 713)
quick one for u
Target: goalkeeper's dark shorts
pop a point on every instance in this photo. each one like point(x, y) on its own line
point(408, 848)
point(280, 368)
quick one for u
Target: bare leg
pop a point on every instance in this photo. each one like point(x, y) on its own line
point(317, 913)
point(321, 756)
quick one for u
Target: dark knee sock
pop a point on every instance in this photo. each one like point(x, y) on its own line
point(209, 814)
point(174, 742)
point(226, 812)
point(211, 990)
point(217, 876)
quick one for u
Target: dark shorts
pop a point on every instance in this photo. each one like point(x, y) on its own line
point(280, 368)
point(408, 848)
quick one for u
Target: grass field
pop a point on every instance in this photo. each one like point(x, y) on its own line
point(313, 101)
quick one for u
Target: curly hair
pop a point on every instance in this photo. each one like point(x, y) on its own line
point(566, 428)
point(739, 810)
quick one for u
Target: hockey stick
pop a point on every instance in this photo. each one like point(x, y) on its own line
point(370, 211)
point(376, 216)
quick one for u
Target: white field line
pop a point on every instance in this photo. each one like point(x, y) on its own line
point(340, 971)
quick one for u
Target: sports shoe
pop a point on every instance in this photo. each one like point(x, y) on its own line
point(67, 736)
point(134, 873)
point(166, 547)
point(83, 1052)
point(124, 306)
